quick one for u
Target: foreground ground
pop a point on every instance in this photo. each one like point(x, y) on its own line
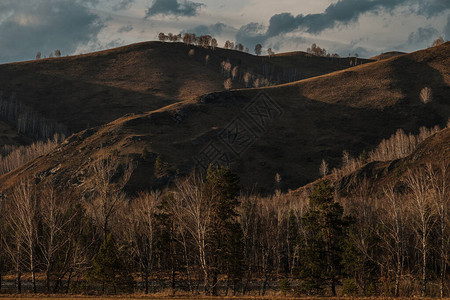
point(164, 296)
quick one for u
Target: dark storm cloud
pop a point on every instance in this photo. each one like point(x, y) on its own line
point(343, 12)
point(431, 8)
point(422, 35)
point(213, 30)
point(27, 27)
point(173, 7)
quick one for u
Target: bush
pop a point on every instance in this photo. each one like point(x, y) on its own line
point(349, 288)
point(285, 286)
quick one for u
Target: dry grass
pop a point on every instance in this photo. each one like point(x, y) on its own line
point(348, 110)
point(190, 296)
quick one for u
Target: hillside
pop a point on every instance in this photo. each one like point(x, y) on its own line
point(387, 55)
point(434, 150)
point(299, 124)
point(93, 89)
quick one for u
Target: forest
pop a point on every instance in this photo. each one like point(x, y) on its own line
point(204, 234)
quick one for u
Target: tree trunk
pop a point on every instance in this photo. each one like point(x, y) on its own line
point(146, 281)
point(442, 260)
point(68, 282)
point(47, 280)
point(424, 273)
point(19, 282)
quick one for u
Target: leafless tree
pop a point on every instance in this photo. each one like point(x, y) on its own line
point(438, 42)
point(214, 43)
point(422, 215)
point(162, 37)
point(426, 95)
point(323, 168)
point(192, 210)
point(270, 52)
point(58, 53)
point(258, 49)
point(393, 220)
point(439, 177)
point(38, 55)
point(141, 222)
point(108, 196)
point(24, 224)
point(56, 215)
point(228, 84)
point(234, 72)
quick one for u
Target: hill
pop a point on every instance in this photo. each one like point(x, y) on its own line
point(89, 90)
point(387, 55)
point(434, 150)
point(286, 129)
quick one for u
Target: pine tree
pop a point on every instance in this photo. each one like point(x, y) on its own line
point(222, 188)
point(107, 266)
point(325, 232)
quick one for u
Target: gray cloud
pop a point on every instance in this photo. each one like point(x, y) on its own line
point(422, 35)
point(32, 26)
point(447, 29)
point(122, 4)
point(343, 12)
point(431, 8)
point(173, 7)
point(213, 30)
point(126, 28)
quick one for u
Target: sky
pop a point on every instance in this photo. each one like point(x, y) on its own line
point(365, 27)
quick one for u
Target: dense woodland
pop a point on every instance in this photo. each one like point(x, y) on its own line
point(205, 235)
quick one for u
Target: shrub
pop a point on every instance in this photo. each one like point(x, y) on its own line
point(349, 288)
point(285, 286)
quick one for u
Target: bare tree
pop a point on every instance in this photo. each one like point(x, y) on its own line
point(38, 55)
point(141, 222)
point(108, 196)
point(426, 95)
point(439, 177)
point(162, 37)
point(58, 53)
point(393, 220)
point(24, 223)
point(228, 84)
point(258, 49)
point(214, 43)
point(56, 215)
point(422, 212)
point(234, 72)
point(192, 210)
point(438, 42)
point(323, 168)
point(270, 52)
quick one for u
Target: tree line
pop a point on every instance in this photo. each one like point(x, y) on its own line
point(205, 235)
point(26, 120)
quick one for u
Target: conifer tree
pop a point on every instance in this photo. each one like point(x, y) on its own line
point(325, 232)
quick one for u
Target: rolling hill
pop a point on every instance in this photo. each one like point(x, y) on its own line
point(93, 89)
point(286, 129)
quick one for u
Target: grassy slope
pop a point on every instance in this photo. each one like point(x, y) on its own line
point(346, 110)
point(97, 88)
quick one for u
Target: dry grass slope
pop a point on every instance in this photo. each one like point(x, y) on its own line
point(348, 110)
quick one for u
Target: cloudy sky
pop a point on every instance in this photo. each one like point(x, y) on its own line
point(366, 27)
